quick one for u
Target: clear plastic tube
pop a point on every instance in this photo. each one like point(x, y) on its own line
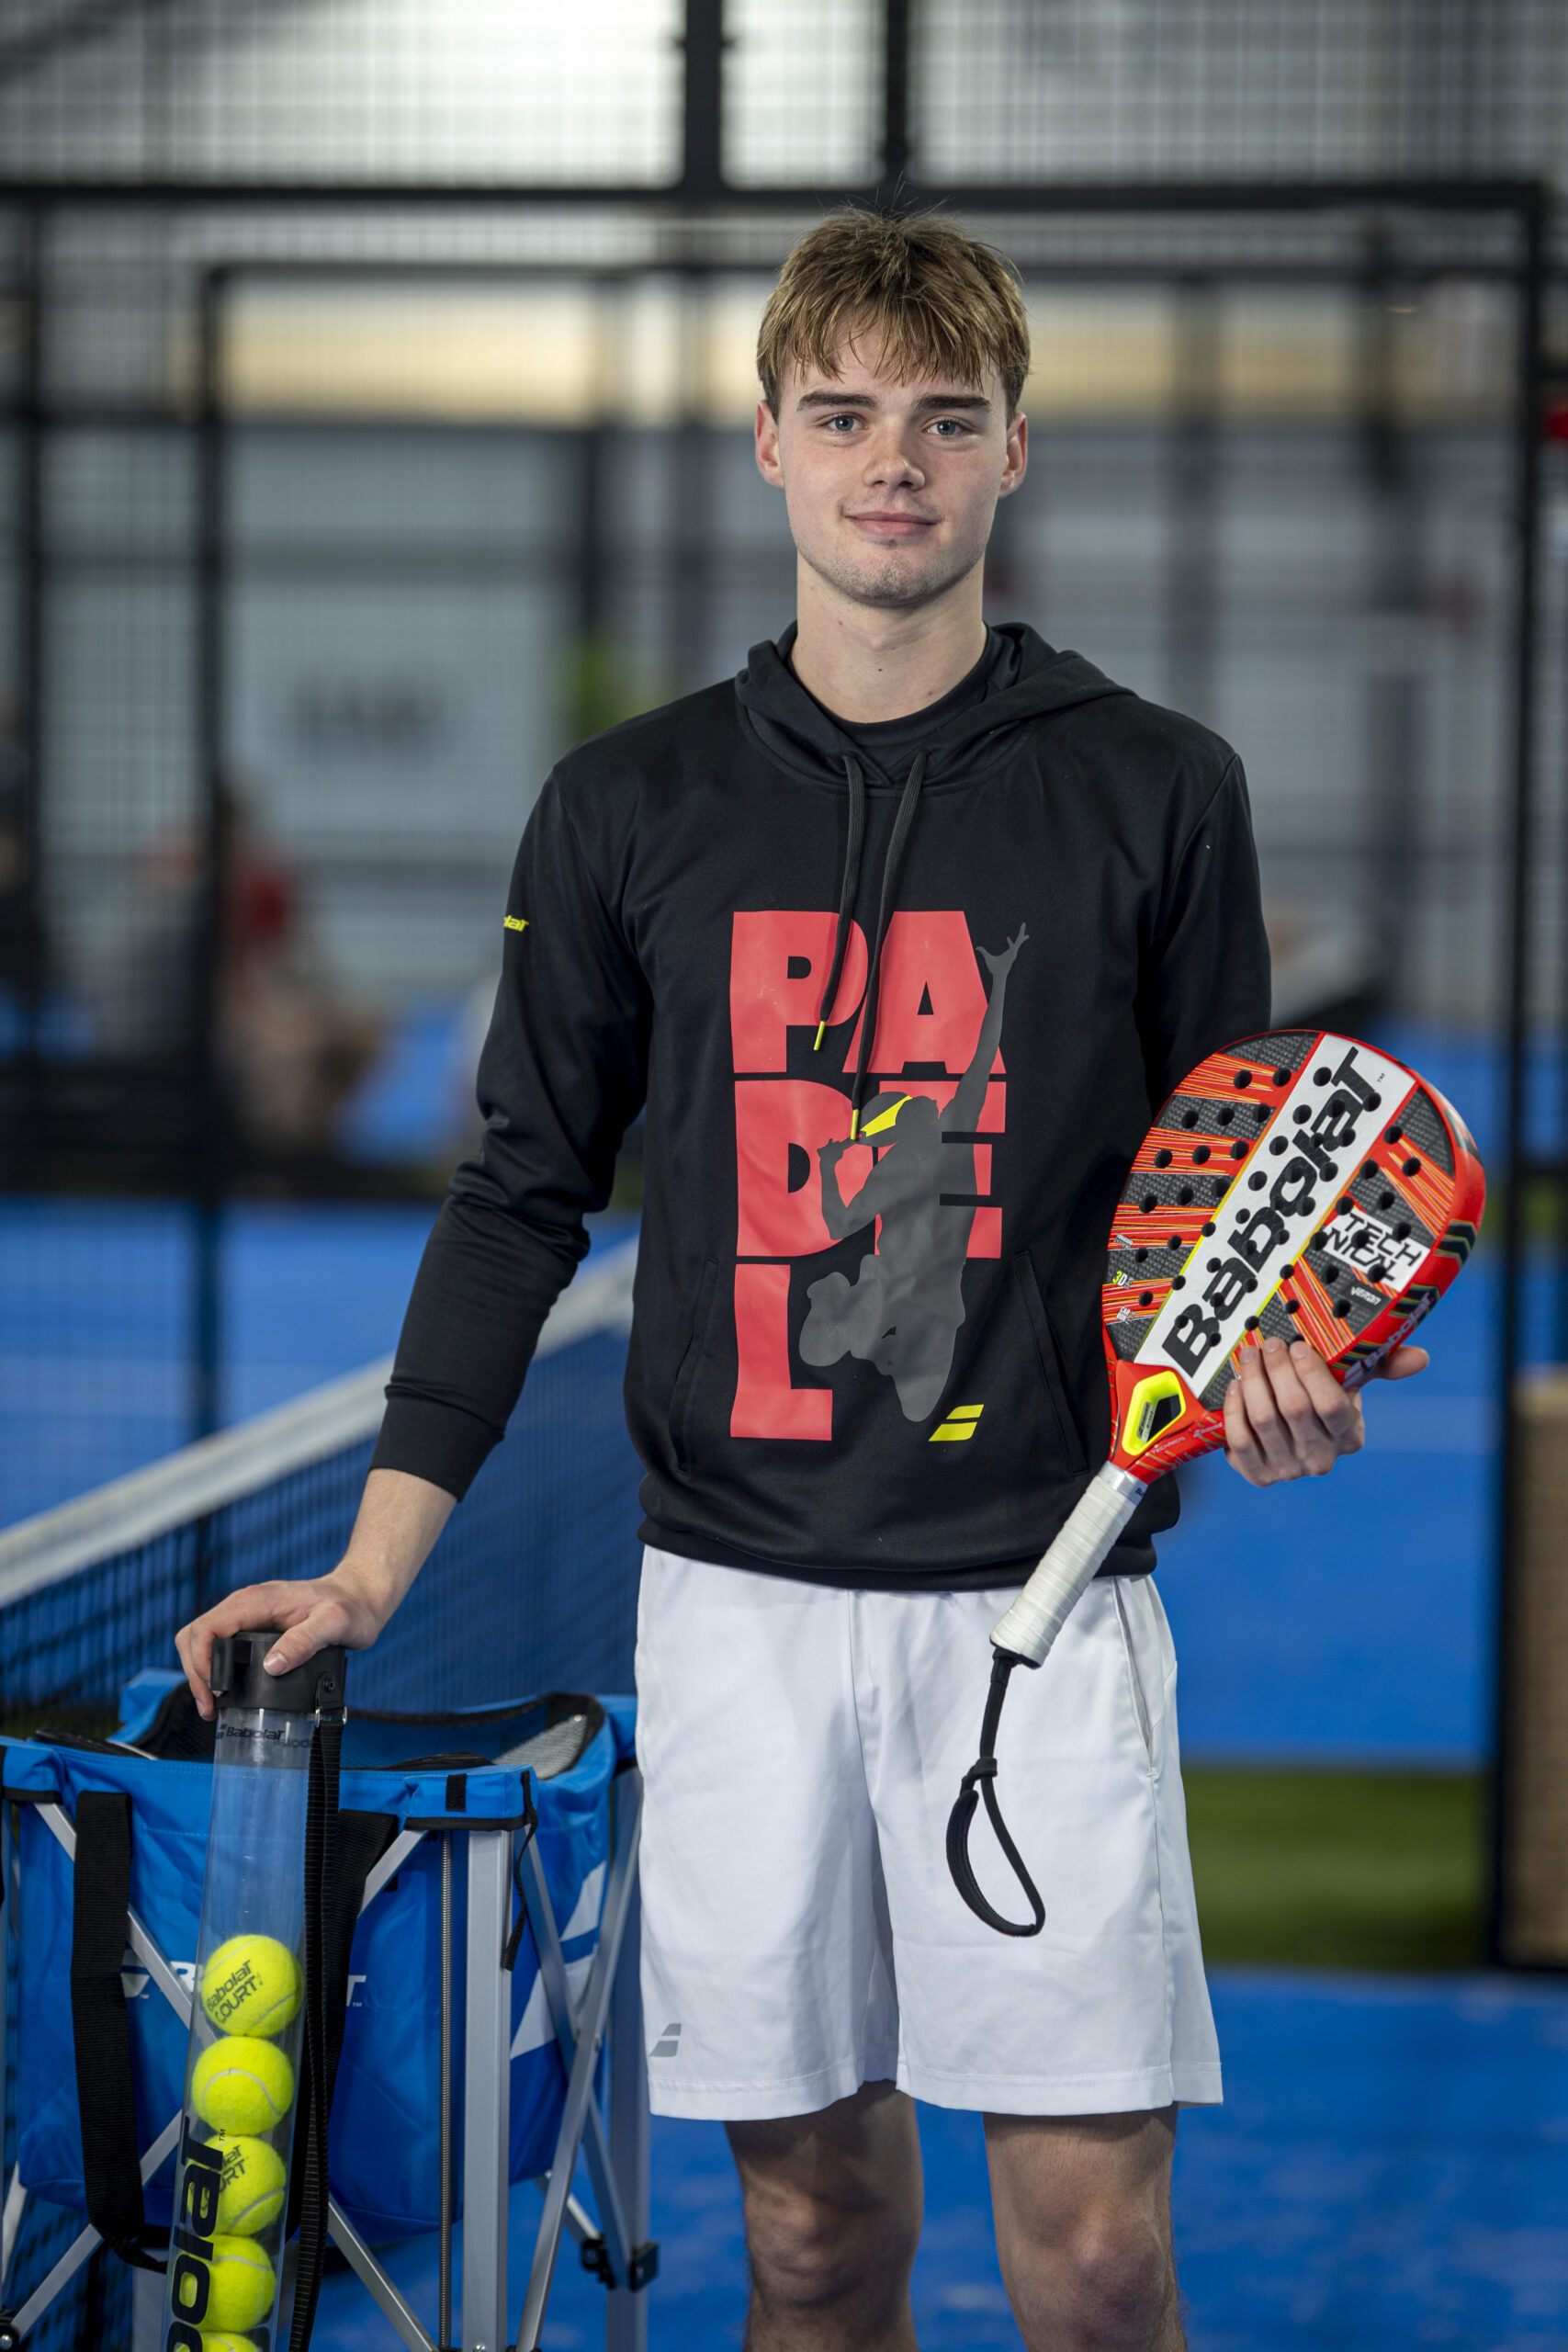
point(247, 2028)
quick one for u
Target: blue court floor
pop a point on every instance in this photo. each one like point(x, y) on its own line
point(1387, 2175)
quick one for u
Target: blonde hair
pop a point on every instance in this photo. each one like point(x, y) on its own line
point(927, 299)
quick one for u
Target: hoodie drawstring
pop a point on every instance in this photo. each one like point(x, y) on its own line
point(891, 867)
point(848, 887)
point(895, 859)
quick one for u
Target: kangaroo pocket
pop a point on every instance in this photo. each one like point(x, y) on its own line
point(1060, 1417)
point(990, 1472)
point(834, 1457)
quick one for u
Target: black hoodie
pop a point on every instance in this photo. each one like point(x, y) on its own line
point(873, 1364)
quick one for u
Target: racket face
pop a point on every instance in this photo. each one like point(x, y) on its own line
point(1297, 1185)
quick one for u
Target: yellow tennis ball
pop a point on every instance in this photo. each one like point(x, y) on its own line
point(250, 2194)
point(252, 1985)
point(242, 2084)
point(244, 2283)
point(220, 2340)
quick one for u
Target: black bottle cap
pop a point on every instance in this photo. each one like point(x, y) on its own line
point(239, 1679)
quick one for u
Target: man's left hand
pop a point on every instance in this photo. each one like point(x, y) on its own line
point(1287, 1416)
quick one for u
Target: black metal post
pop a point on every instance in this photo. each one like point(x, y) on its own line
point(206, 1129)
point(1270, 199)
point(31, 945)
point(1193, 569)
point(588, 702)
point(1393, 691)
point(444, 2239)
point(690, 535)
point(896, 144)
point(702, 176)
point(593, 444)
point(1516, 1164)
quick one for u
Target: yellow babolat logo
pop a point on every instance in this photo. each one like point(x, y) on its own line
point(514, 922)
point(959, 1424)
point(1152, 1409)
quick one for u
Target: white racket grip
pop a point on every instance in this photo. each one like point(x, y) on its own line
point(1043, 1608)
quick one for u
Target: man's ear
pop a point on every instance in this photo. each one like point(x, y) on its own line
point(1016, 453)
point(768, 445)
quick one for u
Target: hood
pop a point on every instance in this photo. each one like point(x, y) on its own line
point(1029, 679)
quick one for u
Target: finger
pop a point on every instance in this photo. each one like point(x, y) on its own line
point(1315, 1445)
point(323, 1626)
point(1264, 1411)
point(252, 1608)
point(200, 1688)
point(1339, 1410)
point(1401, 1363)
point(1242, 1450)
point(1268, 1436)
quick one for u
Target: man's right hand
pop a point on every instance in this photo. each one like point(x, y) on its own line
point(314, 1613)
point(399, 1521)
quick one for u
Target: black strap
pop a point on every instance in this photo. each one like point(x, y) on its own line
point(316, 2089)
point(360, 1839)
point(981, 1781)
point(530, 1823)
point(100, 2021)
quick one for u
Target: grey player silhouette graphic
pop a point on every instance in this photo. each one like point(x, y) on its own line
point(903, 1310)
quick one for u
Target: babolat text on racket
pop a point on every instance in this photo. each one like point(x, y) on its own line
point(1298, 1185)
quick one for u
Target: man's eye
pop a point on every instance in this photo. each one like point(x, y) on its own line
point(848, 418)
point(948, 426)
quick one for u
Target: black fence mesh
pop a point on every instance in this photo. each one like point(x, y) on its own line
point(474, 91)
point(286, 672)
point(468, 90)
point(1225, 89)
point(450, 516)
point(533, 1582)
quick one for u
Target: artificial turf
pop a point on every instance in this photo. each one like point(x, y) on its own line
point(1338, 1870)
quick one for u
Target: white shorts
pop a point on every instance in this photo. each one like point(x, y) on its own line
point(802, 1747)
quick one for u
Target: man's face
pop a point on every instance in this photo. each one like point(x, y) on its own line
point(891, 487)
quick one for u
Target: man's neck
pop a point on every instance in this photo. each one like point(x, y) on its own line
point(867, 665)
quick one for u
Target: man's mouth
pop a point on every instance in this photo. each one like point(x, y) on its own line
point(892, 526)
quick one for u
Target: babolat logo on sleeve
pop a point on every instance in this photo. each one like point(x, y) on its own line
point(1327, 1122)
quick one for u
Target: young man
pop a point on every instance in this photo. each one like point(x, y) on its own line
point(901, 938)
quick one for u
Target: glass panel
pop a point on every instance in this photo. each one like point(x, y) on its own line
point(467, 90)
point(802, 93)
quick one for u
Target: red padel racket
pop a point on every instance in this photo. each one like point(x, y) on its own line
point(1298, 1184)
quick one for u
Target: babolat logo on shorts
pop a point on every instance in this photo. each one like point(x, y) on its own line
point(1328, 1121)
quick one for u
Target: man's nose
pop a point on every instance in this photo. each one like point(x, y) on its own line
point(891, 459)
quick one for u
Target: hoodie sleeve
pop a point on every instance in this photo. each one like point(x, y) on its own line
point(562, 1076)
point(1205, 978)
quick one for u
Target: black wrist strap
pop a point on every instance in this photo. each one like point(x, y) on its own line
point(980, 1781)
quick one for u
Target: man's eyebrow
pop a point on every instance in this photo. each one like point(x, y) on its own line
point(836, 401)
